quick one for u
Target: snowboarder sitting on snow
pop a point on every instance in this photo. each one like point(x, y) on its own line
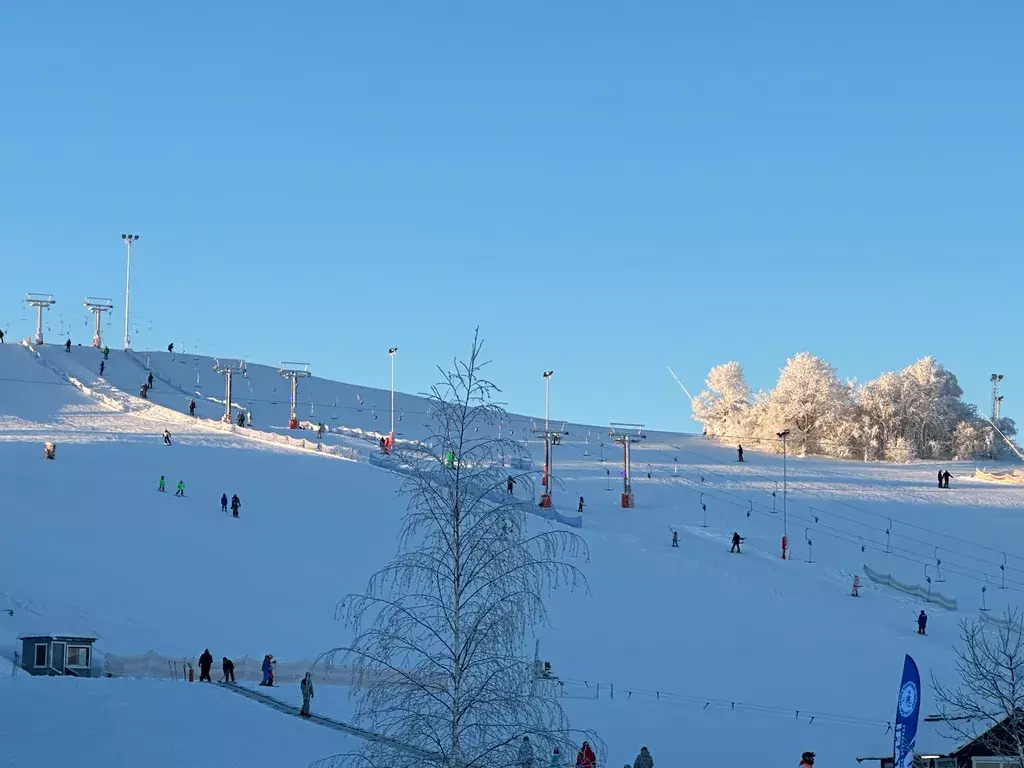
point(167, 437)
point(525, 757)
point(181, 488)
point(227, 666)
point(644, 759)
point(922, 623)
point(739, 452)
point(192, 408)
point(223, 502)
point(807, 760)
point(736, 539)
point(306, 687)
point(205, 662)
point(163, 485)
point(586, 758)
point(235, 504)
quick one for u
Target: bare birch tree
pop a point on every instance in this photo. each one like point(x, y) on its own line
point(989, 702)
point(441, 631)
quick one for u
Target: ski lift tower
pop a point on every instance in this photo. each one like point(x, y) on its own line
point(627, 435)
point(293, 372)
point(97, 307)
point(40, 301)
point(226, 371)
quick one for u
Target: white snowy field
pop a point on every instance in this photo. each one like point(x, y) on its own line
point(703, 648)
point(57, 722)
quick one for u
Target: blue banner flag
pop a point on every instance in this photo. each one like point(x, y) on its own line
point(908, 709)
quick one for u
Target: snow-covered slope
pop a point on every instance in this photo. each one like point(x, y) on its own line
point(709, 654)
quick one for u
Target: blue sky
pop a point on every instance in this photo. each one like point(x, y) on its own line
point(606, 188)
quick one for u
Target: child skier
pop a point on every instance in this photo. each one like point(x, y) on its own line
point(922, 623)
point(736, 539)
point(181, 488)
point(163, 485)
point(223, 502)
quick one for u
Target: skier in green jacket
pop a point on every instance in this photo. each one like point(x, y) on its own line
point(163, 485)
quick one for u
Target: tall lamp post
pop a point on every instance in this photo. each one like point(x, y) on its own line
point(392, 352)
point(785, 523)
point(545, 498)
point(128, 241)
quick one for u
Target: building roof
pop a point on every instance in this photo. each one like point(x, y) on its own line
point(933, 738)
point(57, 636)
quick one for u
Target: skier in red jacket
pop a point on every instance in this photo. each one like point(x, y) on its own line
point(586, 758)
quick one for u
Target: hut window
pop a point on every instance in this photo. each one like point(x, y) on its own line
point(78, 656)
point(40, 654)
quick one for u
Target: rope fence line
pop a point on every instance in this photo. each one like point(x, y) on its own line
point(589, 689)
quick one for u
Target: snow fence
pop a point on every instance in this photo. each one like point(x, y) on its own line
point(925, 593)
point(157, 666)
point(1014, 477)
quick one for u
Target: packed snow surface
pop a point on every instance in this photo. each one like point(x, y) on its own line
point(703, 655)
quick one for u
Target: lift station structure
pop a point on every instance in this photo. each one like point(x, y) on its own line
point(227, 371)
point(293, 372)
point(97, 307)
point(40, 301)
point(627, 435)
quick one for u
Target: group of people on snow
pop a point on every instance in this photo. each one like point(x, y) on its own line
point(944, 478)
point(235, 504)
point(526, 757)
point(162, 487)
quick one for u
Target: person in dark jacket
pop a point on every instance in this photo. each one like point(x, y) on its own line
point(922, 623)
point(644, 759)
point(739, 452)
point(205, 662)
point(167, 437)
point(143, 390)
point(67, 345)
point(736, 539)
point(223, 502)
point(227, 666)
point(192, 408)
point(235, 504)
point(170, 348)
point(240, 421)
point(579, 507)
point(675, 538)
point(945, 479)
point(150, 380)
point(510, 483)
point(306, 689)
point(1, 336)
point(102, 367)
point(807, 760)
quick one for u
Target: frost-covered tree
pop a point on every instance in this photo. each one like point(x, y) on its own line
point(989, 702)
point(811, 402)
point(441, 631)
point(725, 402)
point(969, 441)
point(902, 451)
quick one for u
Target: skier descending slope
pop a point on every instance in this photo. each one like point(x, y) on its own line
point(181, 488)
point(736, 539)
point(163, 485)
point(167, 437)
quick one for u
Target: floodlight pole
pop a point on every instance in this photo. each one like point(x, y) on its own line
point(128, 241)
point(392, 352)
point(785, 522)
point(547, 435)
